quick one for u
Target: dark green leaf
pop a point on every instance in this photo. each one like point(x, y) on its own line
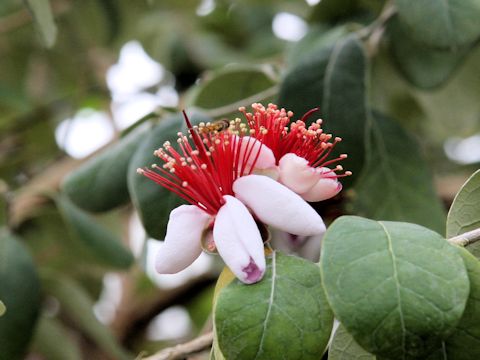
point(77, 305)
point(285, 315)
point(446, 24)
point(396, 184)
point(423, 66)
point(100, 184)
point(42, 14)
point(152, 201)
point(231, 85)
point(96, 240)
point(47, 335)
point(333, 78)
point(464, 343)
point(20, 292)
point(344, 347)
point(399, 289)
point(316, 38)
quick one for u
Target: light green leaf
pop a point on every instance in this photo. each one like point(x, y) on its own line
point(285, 315)
point(47, 335)
point(95, 240)
point(20, 293)
point(399, 289)
point(152, 201)
point(77, 305)
point(43, 17)
point(333, 78)
point(464, 214)
point(446, 24)
point(423, 66)
point(100, 184)
point(3, 309)
point(230, 85)
point(396, 184)
point(464, 343)
point(344, 347)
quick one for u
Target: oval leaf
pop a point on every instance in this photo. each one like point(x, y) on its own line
point(398, 288)
point(446, 24)
point(96, 240)
point(285, 315)
point(464, 343)
point(152, 201)
point(344, 347)
point(423, 66)
point(464, 214)
point(20, 292)
point(333, 78)
point(232, 85)
point(2, 308)
point(396, 184)
point(100, 184)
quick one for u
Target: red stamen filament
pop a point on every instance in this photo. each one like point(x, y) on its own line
point(273, 127)
point(203, 172)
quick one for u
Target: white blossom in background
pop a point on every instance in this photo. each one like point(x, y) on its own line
point(290, 27)
point(85, 132)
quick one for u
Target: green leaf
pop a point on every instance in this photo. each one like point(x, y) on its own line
point(231, 85)
point(464, 214)
point(423, 66)
point(396, 184)
point(464, 343)
point(316, 38)
point(335, 79)
point(77, 305)
point(344, 347)
point(285, 315)
point(446, 24)
point(47, 335)
point(96, 241)
point(152, 201)
point(399, 289)
point(3, 309)
point(20, 293)
point(100, 184)
point(43, 17)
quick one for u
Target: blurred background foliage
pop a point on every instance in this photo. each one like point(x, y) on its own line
point(88, 89)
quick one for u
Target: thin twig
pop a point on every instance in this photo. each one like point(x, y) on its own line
point(374, 32)
point(465, 239)
point(183, 350)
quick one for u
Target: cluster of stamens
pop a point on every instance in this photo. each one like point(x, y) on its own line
point(274, 128)
point(204, 165)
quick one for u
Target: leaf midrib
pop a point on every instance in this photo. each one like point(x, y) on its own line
point(397, 283)
point(270, 305)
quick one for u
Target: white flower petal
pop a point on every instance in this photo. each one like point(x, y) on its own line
point(250, 147)
point(325, 188)
point(238, 241)
point(296, 174)
point(276, 205)
point(182, 242)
